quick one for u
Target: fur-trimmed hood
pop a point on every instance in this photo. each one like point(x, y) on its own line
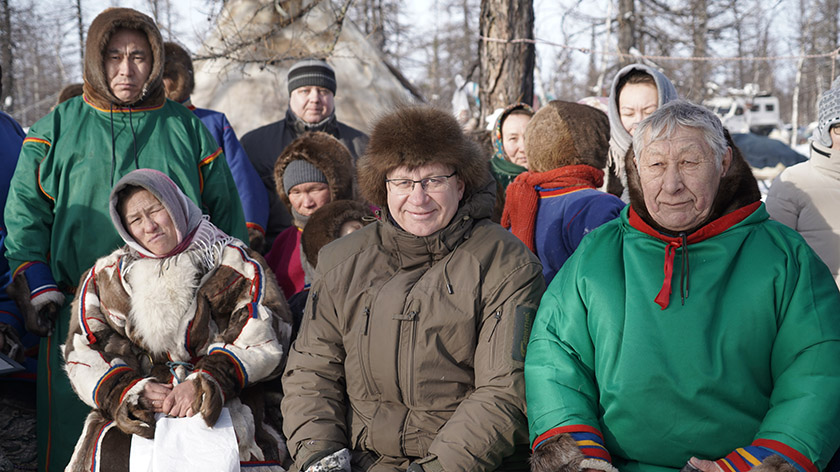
point(415, 136)
point(737, 189)
point(179, 69)
point(328, 155)
point(324, 226)
point(565, 133)
point(96, 87)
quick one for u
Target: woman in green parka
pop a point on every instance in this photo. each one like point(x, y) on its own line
point(57, 209)
point(727, 362)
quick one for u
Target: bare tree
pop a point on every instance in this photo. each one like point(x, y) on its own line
point(626, 29)
point(7, 79)
point(507, 69)
point(81, 28)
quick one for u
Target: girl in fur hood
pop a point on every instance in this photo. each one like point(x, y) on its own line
point(182, 320)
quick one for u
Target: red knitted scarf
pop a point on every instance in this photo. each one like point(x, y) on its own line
point(522, 197)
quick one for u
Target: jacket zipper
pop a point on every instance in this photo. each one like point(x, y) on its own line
point(411, 364)
point(314, 303)
point(498, 316)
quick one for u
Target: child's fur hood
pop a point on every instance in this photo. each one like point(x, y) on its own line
point(328, 155)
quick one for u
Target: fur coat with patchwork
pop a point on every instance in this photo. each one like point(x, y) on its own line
point(138, 320)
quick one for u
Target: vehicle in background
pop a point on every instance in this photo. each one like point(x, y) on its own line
point(747, 110)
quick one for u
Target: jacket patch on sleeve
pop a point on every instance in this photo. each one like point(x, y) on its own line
point(522, 331)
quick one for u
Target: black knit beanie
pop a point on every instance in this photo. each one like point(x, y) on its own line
point(312, 72)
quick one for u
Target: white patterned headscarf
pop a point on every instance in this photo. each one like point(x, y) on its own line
point(192, 228)
point(829, 113)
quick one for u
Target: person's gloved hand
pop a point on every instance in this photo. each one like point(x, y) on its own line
point(338, 461)
point(39, 304)
point(10, 344)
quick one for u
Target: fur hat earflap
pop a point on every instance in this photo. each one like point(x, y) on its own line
point(97, 88)
point(327, 154)
point(324, 226)
point(567, 133)
point(738, 188)
point(416, 136)
point(178, 69)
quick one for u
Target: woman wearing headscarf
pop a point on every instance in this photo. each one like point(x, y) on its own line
point(182, 320)
point(410, 354)
point(636, 92)
point(509, 158)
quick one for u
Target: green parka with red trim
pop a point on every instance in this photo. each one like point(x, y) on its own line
point(732, 358)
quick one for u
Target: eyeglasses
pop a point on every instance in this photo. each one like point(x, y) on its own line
point(434, 184)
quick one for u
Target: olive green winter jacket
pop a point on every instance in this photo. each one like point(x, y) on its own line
point(413, 347)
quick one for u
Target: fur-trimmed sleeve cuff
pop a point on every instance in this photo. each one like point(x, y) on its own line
point(42, 286)
point(225, 369)
point(759, 455)
point(578, 445)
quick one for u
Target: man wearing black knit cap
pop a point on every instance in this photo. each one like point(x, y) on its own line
point(312, 88)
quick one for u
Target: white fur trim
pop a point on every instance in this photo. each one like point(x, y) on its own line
point(597, 464)
point(163, 303)
point(243, 424)
point(132, 397)
point(41, 300)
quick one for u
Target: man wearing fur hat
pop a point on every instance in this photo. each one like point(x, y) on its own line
point(805, 196)
point(179, 83)
point(411, 352)
point(630, 371)
point(57, 212)
point(554, 204)
point(312, 87)
point(313, 170)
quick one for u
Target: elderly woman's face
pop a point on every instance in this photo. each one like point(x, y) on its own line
point(513, 138)
point(680, 178)
point(423, 211)
point(149, 223)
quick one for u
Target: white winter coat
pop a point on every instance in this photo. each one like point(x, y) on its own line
point(806, 197)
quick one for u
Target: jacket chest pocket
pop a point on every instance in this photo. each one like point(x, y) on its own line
point(363, 346)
